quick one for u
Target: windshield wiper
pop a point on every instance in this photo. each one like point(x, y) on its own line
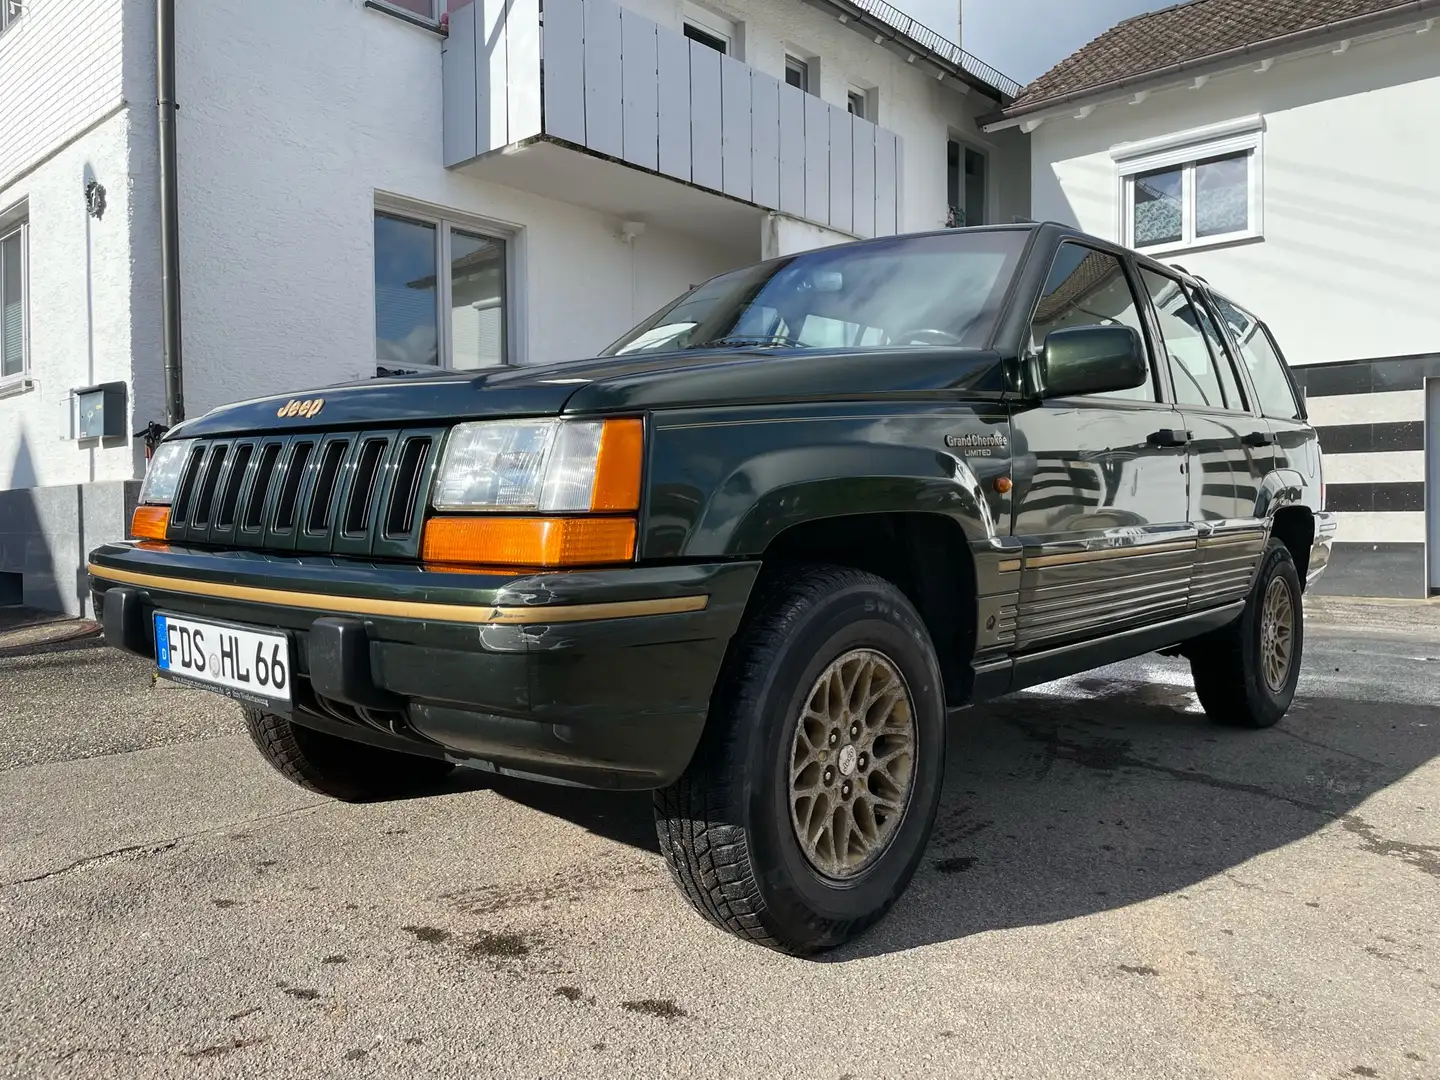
point(757, 342)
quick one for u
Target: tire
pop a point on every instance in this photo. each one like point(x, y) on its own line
point(1232, 679)
point(344, 770)
point(727, 827)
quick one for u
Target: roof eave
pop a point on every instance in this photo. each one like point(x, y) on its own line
point(1271, 48)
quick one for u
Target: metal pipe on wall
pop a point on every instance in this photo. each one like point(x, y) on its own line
point(169, 211)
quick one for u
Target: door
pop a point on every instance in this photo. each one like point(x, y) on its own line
point(1101, 495)
point(1232, 448)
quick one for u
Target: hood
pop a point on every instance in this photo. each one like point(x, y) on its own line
point(619, 384)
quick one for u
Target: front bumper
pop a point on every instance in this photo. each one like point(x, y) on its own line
point(596, 678)
point(1326, 526)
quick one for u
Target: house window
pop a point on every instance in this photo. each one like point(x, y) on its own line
point(13, 359)
point(9, 14)
point(797, 73)
point(1183, 194)
point(861, 103)
point(442, 295)
point(424, 8)
point(966, 185)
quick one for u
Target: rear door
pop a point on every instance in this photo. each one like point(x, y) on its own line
point(1100, 498)
point(1231, 447)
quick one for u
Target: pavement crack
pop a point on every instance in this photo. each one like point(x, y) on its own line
point(1328, 748)
point(1424, 857)
point(156, 847)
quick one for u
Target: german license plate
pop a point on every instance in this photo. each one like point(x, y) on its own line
point(246, 664)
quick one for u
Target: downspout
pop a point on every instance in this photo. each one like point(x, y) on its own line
point(169, 211)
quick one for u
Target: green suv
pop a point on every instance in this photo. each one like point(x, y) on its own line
point(752, 557)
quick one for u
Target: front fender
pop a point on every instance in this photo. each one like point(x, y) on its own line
point(729, 490)
point(1284, 488)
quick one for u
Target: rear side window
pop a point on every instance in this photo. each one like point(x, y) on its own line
point(1234, 399)
point(1089, 288)
point(1192, 366)
point(1267, 369)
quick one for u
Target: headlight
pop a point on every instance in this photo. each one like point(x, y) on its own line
point(542, 466)
point(163, 477)
point(557, 492)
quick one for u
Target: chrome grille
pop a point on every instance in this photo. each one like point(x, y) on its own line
point(345, 493)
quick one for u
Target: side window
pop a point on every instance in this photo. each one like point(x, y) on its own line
point(1192, 368)
point(1234, 399)
point(1089, 288)
point(1267, 369)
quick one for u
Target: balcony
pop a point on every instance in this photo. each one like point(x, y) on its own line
point(662, 124)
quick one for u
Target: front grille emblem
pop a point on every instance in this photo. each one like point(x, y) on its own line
point(295, 407)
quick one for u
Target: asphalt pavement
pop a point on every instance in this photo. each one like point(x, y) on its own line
point(1115, 888)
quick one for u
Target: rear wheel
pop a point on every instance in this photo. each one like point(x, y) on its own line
point(344, 770)
point(810, 800)
point(1245, 675)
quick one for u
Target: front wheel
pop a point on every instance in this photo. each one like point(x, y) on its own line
point(1245, 675)
point(809, 803)
point(343, 769)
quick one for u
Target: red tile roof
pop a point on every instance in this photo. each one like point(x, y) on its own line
point(1191, 32)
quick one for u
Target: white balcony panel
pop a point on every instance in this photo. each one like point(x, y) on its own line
point(792, 151)
point(564, 69)
point(458, 75)
point(817, 160)
point(842, 171)
point(616, 83)
point(706, 168)
point(887, 183)
point(735, 128)
point(673, 56)
point(522, 48)
point(765, 117)
point(863, 141)
point(604, 94)
point(640, 84)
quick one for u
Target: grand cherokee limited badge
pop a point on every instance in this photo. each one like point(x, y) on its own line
point(977, 445)
point(307, 409)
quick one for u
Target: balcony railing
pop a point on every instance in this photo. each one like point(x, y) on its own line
point(940, 46)
point(607, 80)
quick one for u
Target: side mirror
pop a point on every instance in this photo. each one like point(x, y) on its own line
point(1079, 360)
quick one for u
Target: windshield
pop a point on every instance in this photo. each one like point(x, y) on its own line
point(940, 290)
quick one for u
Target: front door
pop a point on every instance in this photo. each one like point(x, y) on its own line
point(1232, 448)
point(1101, 489)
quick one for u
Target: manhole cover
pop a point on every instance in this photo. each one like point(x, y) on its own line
point(50, 633)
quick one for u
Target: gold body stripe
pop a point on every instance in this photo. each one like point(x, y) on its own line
point(409, 609)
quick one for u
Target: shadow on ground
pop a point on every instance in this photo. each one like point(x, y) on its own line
point(1057, 807)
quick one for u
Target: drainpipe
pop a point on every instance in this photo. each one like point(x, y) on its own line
point(169, 210)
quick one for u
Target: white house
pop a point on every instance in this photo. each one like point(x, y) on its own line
point(385, 184)
point(1289, 154)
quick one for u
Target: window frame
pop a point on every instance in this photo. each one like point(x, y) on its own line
point(855, 94)
point(800, 66)
point(395, 7)
point(10, 13)
point(445, 222)
point(1258, 326)
point(1185, 151)
point(16, 222)
point(1194, 294)
point(711, 27)
point(1159, 373)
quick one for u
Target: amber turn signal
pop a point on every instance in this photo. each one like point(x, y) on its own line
point(529, 542)
point(150, 522)
point(617, 470)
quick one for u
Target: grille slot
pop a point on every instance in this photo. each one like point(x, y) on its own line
point(362, 486)
point(285, 514)
point(323, 496)
point(230, 496)
point(400, 521)
point(207, 486)
point(187, 485)
point(260, 490)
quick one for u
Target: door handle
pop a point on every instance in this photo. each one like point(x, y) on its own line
point(1260, 438)
point(1169, 437)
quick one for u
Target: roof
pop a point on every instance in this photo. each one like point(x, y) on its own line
point(1191, 33)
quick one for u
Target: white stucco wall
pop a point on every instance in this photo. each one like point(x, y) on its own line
point(293, 118)
point(913, 104)
point(1351, 167)
point(66, 72)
